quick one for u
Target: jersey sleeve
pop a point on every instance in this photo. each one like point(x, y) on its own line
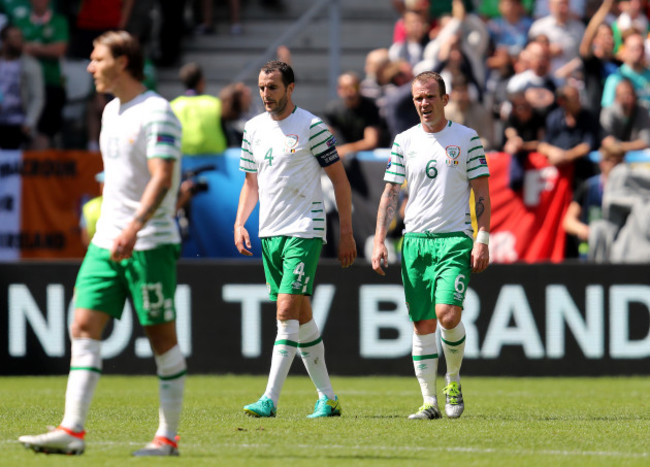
point(396, 168)
point(246, 160)
point(322, 143)
point(163, 133)
point(476, 160)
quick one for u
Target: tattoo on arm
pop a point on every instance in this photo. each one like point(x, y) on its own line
point(151, 209)
point(480, 207)
point(385, 216)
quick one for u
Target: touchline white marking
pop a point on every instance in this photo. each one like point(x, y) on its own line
point(545, 452)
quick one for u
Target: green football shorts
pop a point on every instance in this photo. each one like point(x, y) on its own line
point(149, 277)
point(435, 269)
point(290, 264)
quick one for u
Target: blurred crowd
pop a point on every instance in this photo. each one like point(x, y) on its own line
point(47, 99)
point(563, 78)
point(566, 79)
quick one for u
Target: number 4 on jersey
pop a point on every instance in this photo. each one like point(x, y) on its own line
point(269, 156)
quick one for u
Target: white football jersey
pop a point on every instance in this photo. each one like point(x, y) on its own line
point(437, 168)
point(287, 157)
point(131, 133)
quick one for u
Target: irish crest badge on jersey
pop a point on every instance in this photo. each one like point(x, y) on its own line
point(452, 155)
point(291, 143)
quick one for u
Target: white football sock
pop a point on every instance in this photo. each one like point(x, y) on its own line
point(453, 345)
point(85, 370)
point(425, 362)
point(284, 350)
point(171, 383)
point(312, 352)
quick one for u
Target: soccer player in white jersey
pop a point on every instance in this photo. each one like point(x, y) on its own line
point(284, 151)
point(134, 250)
point(440, 161)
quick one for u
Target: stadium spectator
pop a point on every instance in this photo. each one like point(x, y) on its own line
point(571, 133)
point(631, 16)
point(453, 61)
point(412, 47)
point(46, 39)
point(535, 81)
point(237, 109)
point(576, 8)
point(370, 87)
point(94, 18)
point(284, 54)
point(128, 254)
point(524, 129)
point(397, 106)
point(21, 91)
point(490, 9)
point(199, 114)
point(469, 112)
point(597, 54)
point(621, 236)
point(440, 161)
point(15, 9)
point(508, 32)
point(626, 123)
point(352, 118)
point(564, 34)
point(355, 123)
point(422, 7)
point(508, 38)
point(474, 40)
point(284, 152)
point(634, 68)
point(587, 203)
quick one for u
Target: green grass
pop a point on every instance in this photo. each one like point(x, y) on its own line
point(507, 421)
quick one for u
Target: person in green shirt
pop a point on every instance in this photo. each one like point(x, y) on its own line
point(46, 39)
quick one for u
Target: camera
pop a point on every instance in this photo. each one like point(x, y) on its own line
point(199, 186)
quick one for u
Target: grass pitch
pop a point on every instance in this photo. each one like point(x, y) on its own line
point(507, 421)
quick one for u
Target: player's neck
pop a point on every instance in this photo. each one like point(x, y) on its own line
point(128, 90)
point(288, 110)
point(435, 127)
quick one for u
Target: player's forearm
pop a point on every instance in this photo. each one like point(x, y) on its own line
point(386, 211)
point(482, 204)
point(247, 201)
point(154, 194)
point(343, 196)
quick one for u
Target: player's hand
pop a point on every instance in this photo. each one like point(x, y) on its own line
point(243, 241)
point(379, 258)
point(123, 245)
point(347, 250)
point(480, 258)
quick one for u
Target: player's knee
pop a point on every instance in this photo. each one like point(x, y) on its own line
point(450, 320)
point(448, 316)
point(84, 329)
